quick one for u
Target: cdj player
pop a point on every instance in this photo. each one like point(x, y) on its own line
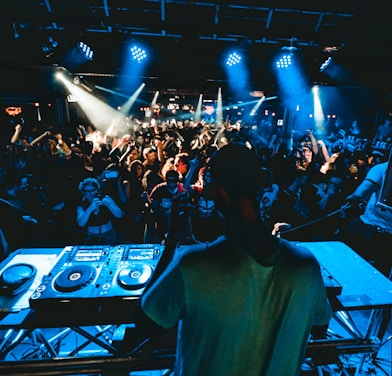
point(96, 280)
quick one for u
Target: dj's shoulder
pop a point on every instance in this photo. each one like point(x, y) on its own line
point(295, 252)
point(200, 248)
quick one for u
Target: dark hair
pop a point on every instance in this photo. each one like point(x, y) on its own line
point(133, 165)
point(236, 167)
point(88, 181)
point(172, 175)
point(184, 157)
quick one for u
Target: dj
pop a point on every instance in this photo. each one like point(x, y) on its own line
point(245, 304)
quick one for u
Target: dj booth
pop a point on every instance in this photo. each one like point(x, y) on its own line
point(70, 310)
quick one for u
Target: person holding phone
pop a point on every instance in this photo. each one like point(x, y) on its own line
point(96, 212)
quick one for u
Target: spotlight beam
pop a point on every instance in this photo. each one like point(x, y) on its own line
point(257, 105)
point(126, 107)
point(198, 108)
point(154, 100)
point(219, 110)
point(98, 112)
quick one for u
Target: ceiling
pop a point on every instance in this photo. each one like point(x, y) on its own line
point(187, 39)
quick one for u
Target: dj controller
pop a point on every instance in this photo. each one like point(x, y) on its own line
point(99, 283)
point(95, 278)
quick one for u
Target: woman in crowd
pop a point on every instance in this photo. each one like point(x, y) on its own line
point(95, 213)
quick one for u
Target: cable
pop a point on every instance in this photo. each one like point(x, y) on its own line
point(343, 208)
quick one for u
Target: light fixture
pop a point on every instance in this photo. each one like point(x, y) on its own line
point(15, 28)
point(86, 50)
point(330, 51)
point(284, 61)
point(49, 47)
point(138, 54)
point(80, 80)
point(326, 64)
point(233, 59)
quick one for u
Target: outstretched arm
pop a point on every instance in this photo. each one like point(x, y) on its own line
point(179, 218)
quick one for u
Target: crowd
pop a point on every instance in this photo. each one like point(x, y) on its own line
point(80, 185)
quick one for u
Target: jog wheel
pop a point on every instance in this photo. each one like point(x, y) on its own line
point(74, 278)
point(135, 276)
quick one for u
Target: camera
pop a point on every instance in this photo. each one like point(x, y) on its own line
point(99, 195)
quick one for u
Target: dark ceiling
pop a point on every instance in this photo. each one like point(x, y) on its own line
point(187, 39)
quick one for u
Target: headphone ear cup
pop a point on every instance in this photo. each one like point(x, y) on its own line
point(17, 278)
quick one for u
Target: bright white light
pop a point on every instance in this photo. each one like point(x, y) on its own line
point(138, 53)
point(126, 107)
point(326, 63)
point(233, 59)
point(199, 108)
point(219, 111)
point(98, 112)
point(284, 62)
point(154, 100)
point(86, 50)
point(257, 106)
point(318, 110)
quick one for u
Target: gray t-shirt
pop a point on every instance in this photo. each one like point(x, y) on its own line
point(235, 316)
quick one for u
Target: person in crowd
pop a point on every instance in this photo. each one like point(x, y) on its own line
point(120, 149)
point(181, 164)
point(355, 130)
point(161, 198)
point(95, 213)
point(140, 143)
point(90, 134)
point(132, 154)
point(246, 303)
point(113, 182)
point(135, 209)
point(384, 131)
point(23, 208)
point(205, 220)
point(268, 196)
point(368, 227)
point(151, 160)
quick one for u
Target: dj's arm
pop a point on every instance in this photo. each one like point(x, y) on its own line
point(178, 221)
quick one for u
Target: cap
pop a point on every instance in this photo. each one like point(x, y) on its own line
point(377, 153)
point(172, 176)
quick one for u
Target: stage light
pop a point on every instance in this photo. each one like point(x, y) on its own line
point(100, 114)
point(49, 47)
point(16, 32)
point(138, 54)
point(233, 59)
point(326, 64)
point(80, 80)
point(80, 54)
point(237, 73)
point(286, 57)
point(86, 50)
point(284, 61)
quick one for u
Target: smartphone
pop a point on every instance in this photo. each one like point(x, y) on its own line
point(111, 174)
